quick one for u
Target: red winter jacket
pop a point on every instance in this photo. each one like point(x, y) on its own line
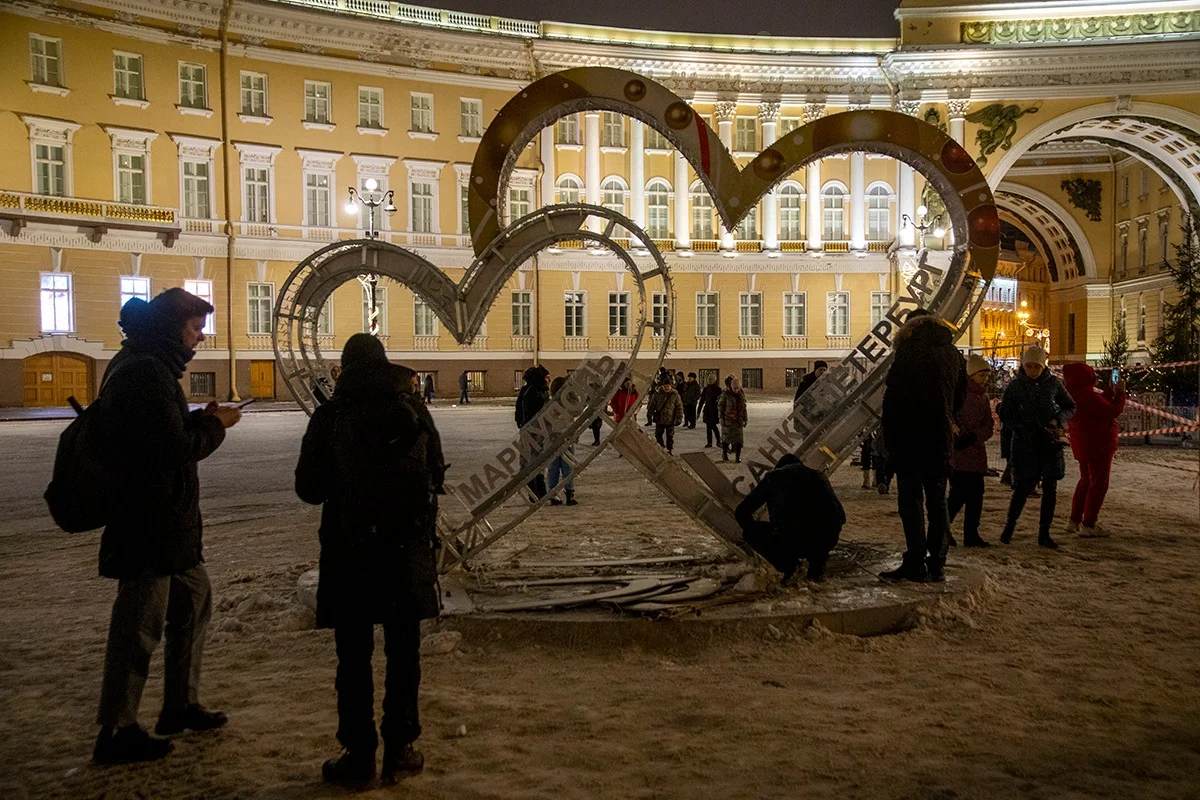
point(1093, 428)
point(975, 426)
point(622, 401)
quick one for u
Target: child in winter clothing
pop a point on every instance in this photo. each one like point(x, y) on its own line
point(975, 426)
point(1093, 443)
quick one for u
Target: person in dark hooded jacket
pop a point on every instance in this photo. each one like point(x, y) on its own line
point(372, 457)
point(1094, 431)
point(1036, 407)
point(924, 390)
point(152, 543)
point(806, 518)
point(709, 411)
point(530, 400)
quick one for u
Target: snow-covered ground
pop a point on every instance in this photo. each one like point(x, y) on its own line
point(1071, 674)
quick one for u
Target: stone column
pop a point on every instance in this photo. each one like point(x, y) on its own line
point(858, 201)
point(726, 111)
point(956, 109)
point(768, 115)
point(907, 186)
point(637, 172)
point(683, 222)
point(591, 163)
point(549, 171)
point(812, 186)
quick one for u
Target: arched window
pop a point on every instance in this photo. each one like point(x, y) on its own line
point(569, 189)
point(789, 213)
point(658, 214)
point(834, 203)
point(879, 214)
point(613, 194)
point(702, 212)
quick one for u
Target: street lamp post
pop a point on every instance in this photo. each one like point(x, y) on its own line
point(922, 224)
point(1023, 319)
point(372, 198)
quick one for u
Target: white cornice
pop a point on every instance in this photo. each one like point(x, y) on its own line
point(1063, 9)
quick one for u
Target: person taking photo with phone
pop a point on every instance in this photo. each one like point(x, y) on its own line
point(1093, 431)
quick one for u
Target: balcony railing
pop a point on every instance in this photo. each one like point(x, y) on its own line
point(838, 342)
point(425, 342)
point(478, 343)
point(274, 230)
point(575, 344)
point(750, 342)
point(878, 247)
point(748, 246)
point(658, 343)
point(522, 344)
point(705, 245)
point(795, 342)
point(836, 247)
point(793, 246)
point(620, 344)
point(259, 341)
point(708, 342)
point(432, 17)
point(97, 215)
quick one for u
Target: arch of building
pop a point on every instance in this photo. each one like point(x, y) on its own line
point(1068, 253)
point(1165, 137)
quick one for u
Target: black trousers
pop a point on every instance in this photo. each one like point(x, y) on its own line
point(667, 432)
point(596, 426)
point(966, 491)
point(712, 429)
point(784, 552)
point(1021, 491)
point(918, 493)
point(463, 398)
point(689, 415)
point(356, 686)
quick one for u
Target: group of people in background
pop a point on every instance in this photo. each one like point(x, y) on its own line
point(677, 400)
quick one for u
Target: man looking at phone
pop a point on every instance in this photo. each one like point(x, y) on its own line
point(152, 543)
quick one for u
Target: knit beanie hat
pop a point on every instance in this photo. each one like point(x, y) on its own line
point(363, 349)
point(977, 363)
point(166, 314)
point(1034, 355)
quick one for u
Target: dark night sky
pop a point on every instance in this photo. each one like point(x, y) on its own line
point(854, 18)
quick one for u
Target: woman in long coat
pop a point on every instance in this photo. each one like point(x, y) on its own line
point(372, 457)
point(732, 409)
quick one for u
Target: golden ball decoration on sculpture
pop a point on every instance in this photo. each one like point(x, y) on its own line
point(635, 90)
point(678, 115)
point(768, 164)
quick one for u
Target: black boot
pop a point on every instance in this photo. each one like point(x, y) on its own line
point(352, 768)
point(974, 541)
point(936, 571)
point(1009, 528)
point(950, 540)
point(128, 745)
point(913, 571)
point(408, 761)
point(1044, 540)
point(194, 717)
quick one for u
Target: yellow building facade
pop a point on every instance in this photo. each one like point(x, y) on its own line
point(151, 144)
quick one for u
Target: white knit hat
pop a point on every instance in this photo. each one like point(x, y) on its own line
point(977, 363)
point(1034, 355)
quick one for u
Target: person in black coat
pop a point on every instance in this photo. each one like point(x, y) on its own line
point(372, 457)
point(806, 518)
point(152, 544)
point(1035, 409)
point(534, 394)
point(819, 369)
point(709, 412)
point(689, 393)
point(925, 388)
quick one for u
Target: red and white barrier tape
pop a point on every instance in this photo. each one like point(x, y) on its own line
point(1156, 432)
point(1171, 365)
point(1159, 412)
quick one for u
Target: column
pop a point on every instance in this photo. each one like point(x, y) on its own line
point(906, 191)
point(768, 115)
point(957, 112)
point(858, 201)
point(637, 172)
point(549, 172)
point(726, 111)
point(812, 184)
point(591, 163)
point(683, 226)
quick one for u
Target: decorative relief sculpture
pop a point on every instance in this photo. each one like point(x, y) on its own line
point(998, 123)
point(1084, 194)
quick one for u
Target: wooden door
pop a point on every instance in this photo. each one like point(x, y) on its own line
point(262, 379)
point(50, 378)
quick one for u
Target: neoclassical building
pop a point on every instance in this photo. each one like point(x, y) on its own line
point(210, 145)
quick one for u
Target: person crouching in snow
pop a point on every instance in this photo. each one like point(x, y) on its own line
point(806, 518)
point(970, 464)
point(1093, 431)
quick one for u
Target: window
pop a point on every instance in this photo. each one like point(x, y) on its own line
point(746, 138)
point(470, 117)
point(834, 200)
point(567, 130)
point(46, 55)
point(203, 290)
point(880, 303)
point(380, 306)
point(789, 213)
point(370, 107)
point(1145, 192)
point(195, 190)
point(518, 203)
point(706, 314)
point(1123, 190)
point(658, 310)
point(792, 376)
point(257, 198)
point(1142, 236)
point(464, 209)
point(747, 229)
point(658, 213)
point(612, 133)
point(422, 207)
point(522, 313)
point(618, 313)
point(573, 304)
point(787, 125)
point(131, 178)
point(1124, 318)
point(254, 94)
point(702, 212)
point(316, 102)
point(1071, 332)
point(422, 112)
point(51, 167)
point(193, 90)
point(750, 314)
point(838, 320)
point(1164, 238)
point(752, 378)
point(325, 319)
point(879, 217)
point(57, 306)
point(260, 297)
point(795, 314)
point(316, 197)
point(134, 287)
point(127, 76)
point(1141, 319)
point(1124, 258)
point(614, 195)
point(476, 380)
point(202, 384)
point(424, 320)
point(655, 140)
point(569, 190)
